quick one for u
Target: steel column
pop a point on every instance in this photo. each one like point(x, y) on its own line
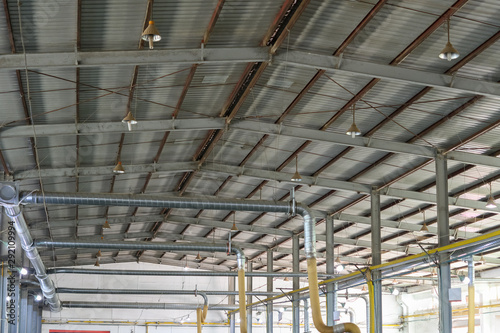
point(443, 240)
point(269, 307)
point(330, 269)
point(296, 285)
point(376, 257)
point(249, 298)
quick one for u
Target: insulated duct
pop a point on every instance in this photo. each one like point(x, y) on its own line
point(146, 306)
point(46, 284)
point(210, 204)
point(160, 292)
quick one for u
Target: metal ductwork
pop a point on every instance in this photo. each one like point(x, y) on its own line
point(146, 306)
point(161, 292)
point(46, 284)
point(156, 246)
point(203, 203)
point(173, 273)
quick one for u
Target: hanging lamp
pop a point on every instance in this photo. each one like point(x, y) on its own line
point(97, 264)
point(491, 201)
point(130, 120)
point(296, 176)
point(151, 34)
point(106, 225)
point(198, 257)
point(353, 131)
point(449, 52)
point(119, 168)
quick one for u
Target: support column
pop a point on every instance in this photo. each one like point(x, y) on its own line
point(376, 257)
point(296, 284)
point(232, 324)
point(443, 225)
point(330, 269)
point(306, 316)
point(23, 314)
point(231, 299)
point(269, 307)
point(249, 297)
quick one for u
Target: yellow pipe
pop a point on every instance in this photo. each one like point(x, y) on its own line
point(472, 310)
point(312, 275)
point(204, 314)
point(198, 319)
point(371, 294)
point(242, 300)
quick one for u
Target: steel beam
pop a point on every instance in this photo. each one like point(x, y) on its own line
point(445, 322)
point(203, 124)
point(269, 305)
point(376, 237)
point(250, 55)
point(330, 269)
point(336, 64)
point(296, 285)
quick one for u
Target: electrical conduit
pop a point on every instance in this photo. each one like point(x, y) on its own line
point(472, 302)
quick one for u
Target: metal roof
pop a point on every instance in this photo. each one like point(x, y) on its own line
point(76, 83)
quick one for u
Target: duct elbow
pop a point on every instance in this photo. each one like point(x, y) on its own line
point(240, 256)
point(309, 230)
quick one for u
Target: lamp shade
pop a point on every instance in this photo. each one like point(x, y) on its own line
point(119, 168)
point(449, 52)
point(151, 34)
point(353, 130)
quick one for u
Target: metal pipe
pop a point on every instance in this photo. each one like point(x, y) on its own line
point(174, 273)
point(158, 246)
point(134, 292)
point(306, 316)
point(146, 306)
point(295, 284)
point(367, 313)
point(46, 284)
point(249, 300)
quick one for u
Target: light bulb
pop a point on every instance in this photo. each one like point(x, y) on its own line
point(23, 271)
point(38, 297)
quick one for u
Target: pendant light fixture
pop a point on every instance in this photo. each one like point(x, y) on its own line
point(119, 168)
point(424, 227)
point(98, 254)
point(353, 131)
point(296, 176)
point(198, 257)
point(491, 201)
point(151, 34)
point(130, 120)
point(234, 227)
point(106, 225)
point(97, 264)
point(449, 52)
point(339, 268)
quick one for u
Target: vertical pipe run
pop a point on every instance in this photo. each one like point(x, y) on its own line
point(306, 316)
point(376, 239)
point(269, 307)
point(198, 320)
point(330, 269)
point(472, 302)
point(296, 284)
point(443, 222)
point(241, 299)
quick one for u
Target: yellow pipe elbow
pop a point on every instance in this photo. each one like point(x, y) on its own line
point(204, 314)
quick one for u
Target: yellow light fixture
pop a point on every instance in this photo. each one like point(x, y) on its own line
point(491, 201)
point(98, 254)
point(97, 264)
point(106, 225)
point(363, 289)
point(449, 52)
point(353, 131)
point(151, 34)
point(424, 227)
point(286, 278)
point(119, 168)
point(296, 176)
point(481, 260)
point(130, 120)
point(198, 257)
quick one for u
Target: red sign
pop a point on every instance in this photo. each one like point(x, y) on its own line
point(77, 331)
